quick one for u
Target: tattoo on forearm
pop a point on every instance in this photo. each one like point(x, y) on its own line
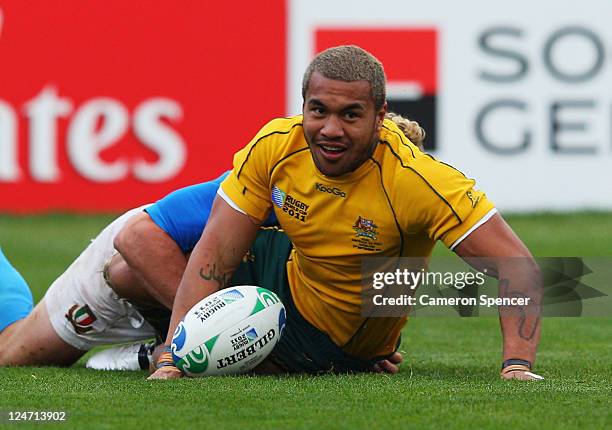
point(212, 275)
point(524, 332)
point(529, 316)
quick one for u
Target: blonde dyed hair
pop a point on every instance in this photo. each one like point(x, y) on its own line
point(411, 129)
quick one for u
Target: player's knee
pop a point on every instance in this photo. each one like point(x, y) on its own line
point(121, 241)
point(126, 241)
point(120, 277)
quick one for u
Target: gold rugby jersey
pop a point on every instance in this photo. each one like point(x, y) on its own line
point(398, 203)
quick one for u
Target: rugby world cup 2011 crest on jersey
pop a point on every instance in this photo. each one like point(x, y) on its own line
point(366, 233)
point(81, 317)
point(293, 207)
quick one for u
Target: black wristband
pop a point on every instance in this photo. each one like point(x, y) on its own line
point(516, 361)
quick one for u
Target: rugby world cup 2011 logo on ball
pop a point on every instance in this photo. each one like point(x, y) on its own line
point(228, 332)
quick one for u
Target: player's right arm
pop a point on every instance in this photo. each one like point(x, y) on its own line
point(225, 240)
point(241, 206)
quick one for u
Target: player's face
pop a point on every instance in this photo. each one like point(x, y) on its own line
point(341, 124)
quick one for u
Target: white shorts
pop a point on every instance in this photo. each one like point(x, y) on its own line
point(84, 311)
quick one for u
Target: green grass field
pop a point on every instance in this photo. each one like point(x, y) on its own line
point(449, 380)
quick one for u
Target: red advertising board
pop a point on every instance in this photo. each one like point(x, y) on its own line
point(107, 105)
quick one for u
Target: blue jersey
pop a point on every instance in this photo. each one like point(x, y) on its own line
point(183, 214)
point(15, 296)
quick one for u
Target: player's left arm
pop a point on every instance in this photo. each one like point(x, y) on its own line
point(494, 246)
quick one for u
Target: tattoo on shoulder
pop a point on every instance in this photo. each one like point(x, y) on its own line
point(210, 274)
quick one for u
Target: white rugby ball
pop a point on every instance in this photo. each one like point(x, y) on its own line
point(228, 332)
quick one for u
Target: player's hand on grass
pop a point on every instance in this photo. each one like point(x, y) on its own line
point(167, 372)
point(389, 365)
point(522, 373)
point(165, 367)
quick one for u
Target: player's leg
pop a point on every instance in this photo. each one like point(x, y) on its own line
point(149, 281)
point(26, 336)
point(84, 311)
point(33, 341)
point(78, 312)
point(130, 286)
point(126, 284)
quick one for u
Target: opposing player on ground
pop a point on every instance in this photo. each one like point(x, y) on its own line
point(388, 199)
point(79, 310)
point(77, 313)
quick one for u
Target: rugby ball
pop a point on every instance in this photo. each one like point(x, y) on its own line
point(228, 332)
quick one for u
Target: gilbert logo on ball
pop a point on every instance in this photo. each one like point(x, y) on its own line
point(229, 332)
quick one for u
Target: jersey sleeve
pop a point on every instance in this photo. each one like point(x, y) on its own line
point(248, 185)
point(447, 203)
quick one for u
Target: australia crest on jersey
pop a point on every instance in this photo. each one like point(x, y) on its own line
point(366, 234)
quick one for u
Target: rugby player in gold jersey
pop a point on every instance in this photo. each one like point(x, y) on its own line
point(402, 198)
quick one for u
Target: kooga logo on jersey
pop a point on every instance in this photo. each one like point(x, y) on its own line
point(335, 191)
